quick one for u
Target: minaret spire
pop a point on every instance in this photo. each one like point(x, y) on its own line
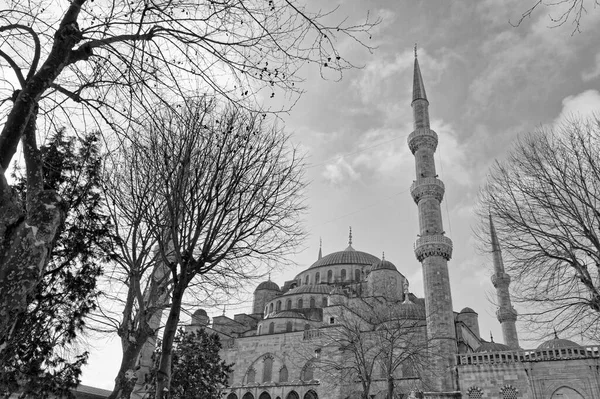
point(506, 314)
point(320, 248)
point(433, 249)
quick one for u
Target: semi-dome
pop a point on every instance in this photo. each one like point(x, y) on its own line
point(347, 257)
point(468, 310)
point(383, 265)
point(310, 289)
point(410, 310)
point(558, 343)
point(492, 347)
point(287, 314)
point(268, 285)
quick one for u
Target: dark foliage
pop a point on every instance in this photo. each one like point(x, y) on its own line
point(42, 358)
point(197, 370)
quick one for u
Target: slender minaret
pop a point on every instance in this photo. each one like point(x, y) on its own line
point(433, 249)
point(507, 315)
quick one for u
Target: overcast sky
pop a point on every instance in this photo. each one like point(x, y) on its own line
point(487, 82)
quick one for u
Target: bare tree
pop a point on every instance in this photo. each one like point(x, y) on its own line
point(225, 201)
point(379, 342)
point(565, 11)
point(107, 63)
point(544, 200)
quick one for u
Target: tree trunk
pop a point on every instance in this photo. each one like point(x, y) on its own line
point(390, 387)
point(163, 377)
point(25, 246)
point(123, 382)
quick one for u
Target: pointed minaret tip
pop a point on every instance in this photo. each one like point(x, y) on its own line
point(418, 85)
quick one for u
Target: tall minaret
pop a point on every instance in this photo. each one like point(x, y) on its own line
point(433, 249)
point(507, 315)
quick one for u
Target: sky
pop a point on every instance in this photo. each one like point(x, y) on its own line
point(486, 81)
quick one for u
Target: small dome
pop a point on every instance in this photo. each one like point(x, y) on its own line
point(200, 312)
point(492, 347)
point(558, 343)
point(287, 314)
point(268, 285)
point(410, 310)
point(383, 265)
point(468, 310)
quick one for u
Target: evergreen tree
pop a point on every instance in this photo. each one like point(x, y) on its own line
point(42, 359)
point(197, 370)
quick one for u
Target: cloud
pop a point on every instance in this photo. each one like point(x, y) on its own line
point(584, 105)
point(593, 72)
point(340, 172)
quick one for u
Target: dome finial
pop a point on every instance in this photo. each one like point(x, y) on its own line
point(415, 50)
point(491, 337)
point(406, 292)
point(269, 276)
point(223, 310)
point(350, 237)
point(555, 334)
point(383, 255)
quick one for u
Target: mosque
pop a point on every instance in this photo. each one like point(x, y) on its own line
point(301, 339)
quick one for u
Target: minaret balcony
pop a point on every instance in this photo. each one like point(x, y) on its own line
point(500, 280)
point(433, 245)
point(422, 137)
point(427, 187)
point(506, 314)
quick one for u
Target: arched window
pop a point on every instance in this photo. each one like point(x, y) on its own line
point(251, 377)
point(300, 303)
point(288, 326)
point(267, 369)
point(330, 276)
point(271, 308)
point(292, 395)
point(232, 396)
point(259, 329)
point(288, 304)
point(317, 278)
point(474, 392)
point(324, 301)
point(306, 279)
point(248, 395)
point(312, 302)
point(266, 309)
point(271, 328)
point(311, 395)
point(343, 274)
point(283, 374)
point(278, 306)
point(357, 275)
point(509, 392)
point(264, 395)
point(308, 372)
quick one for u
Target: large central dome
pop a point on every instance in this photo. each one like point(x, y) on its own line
point(347, 257)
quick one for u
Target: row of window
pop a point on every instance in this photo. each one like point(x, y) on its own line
point(343, 277)
point(288, 305)
point(265, 395)
point(267, 375)
point(507, 392)
point(289, 327)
